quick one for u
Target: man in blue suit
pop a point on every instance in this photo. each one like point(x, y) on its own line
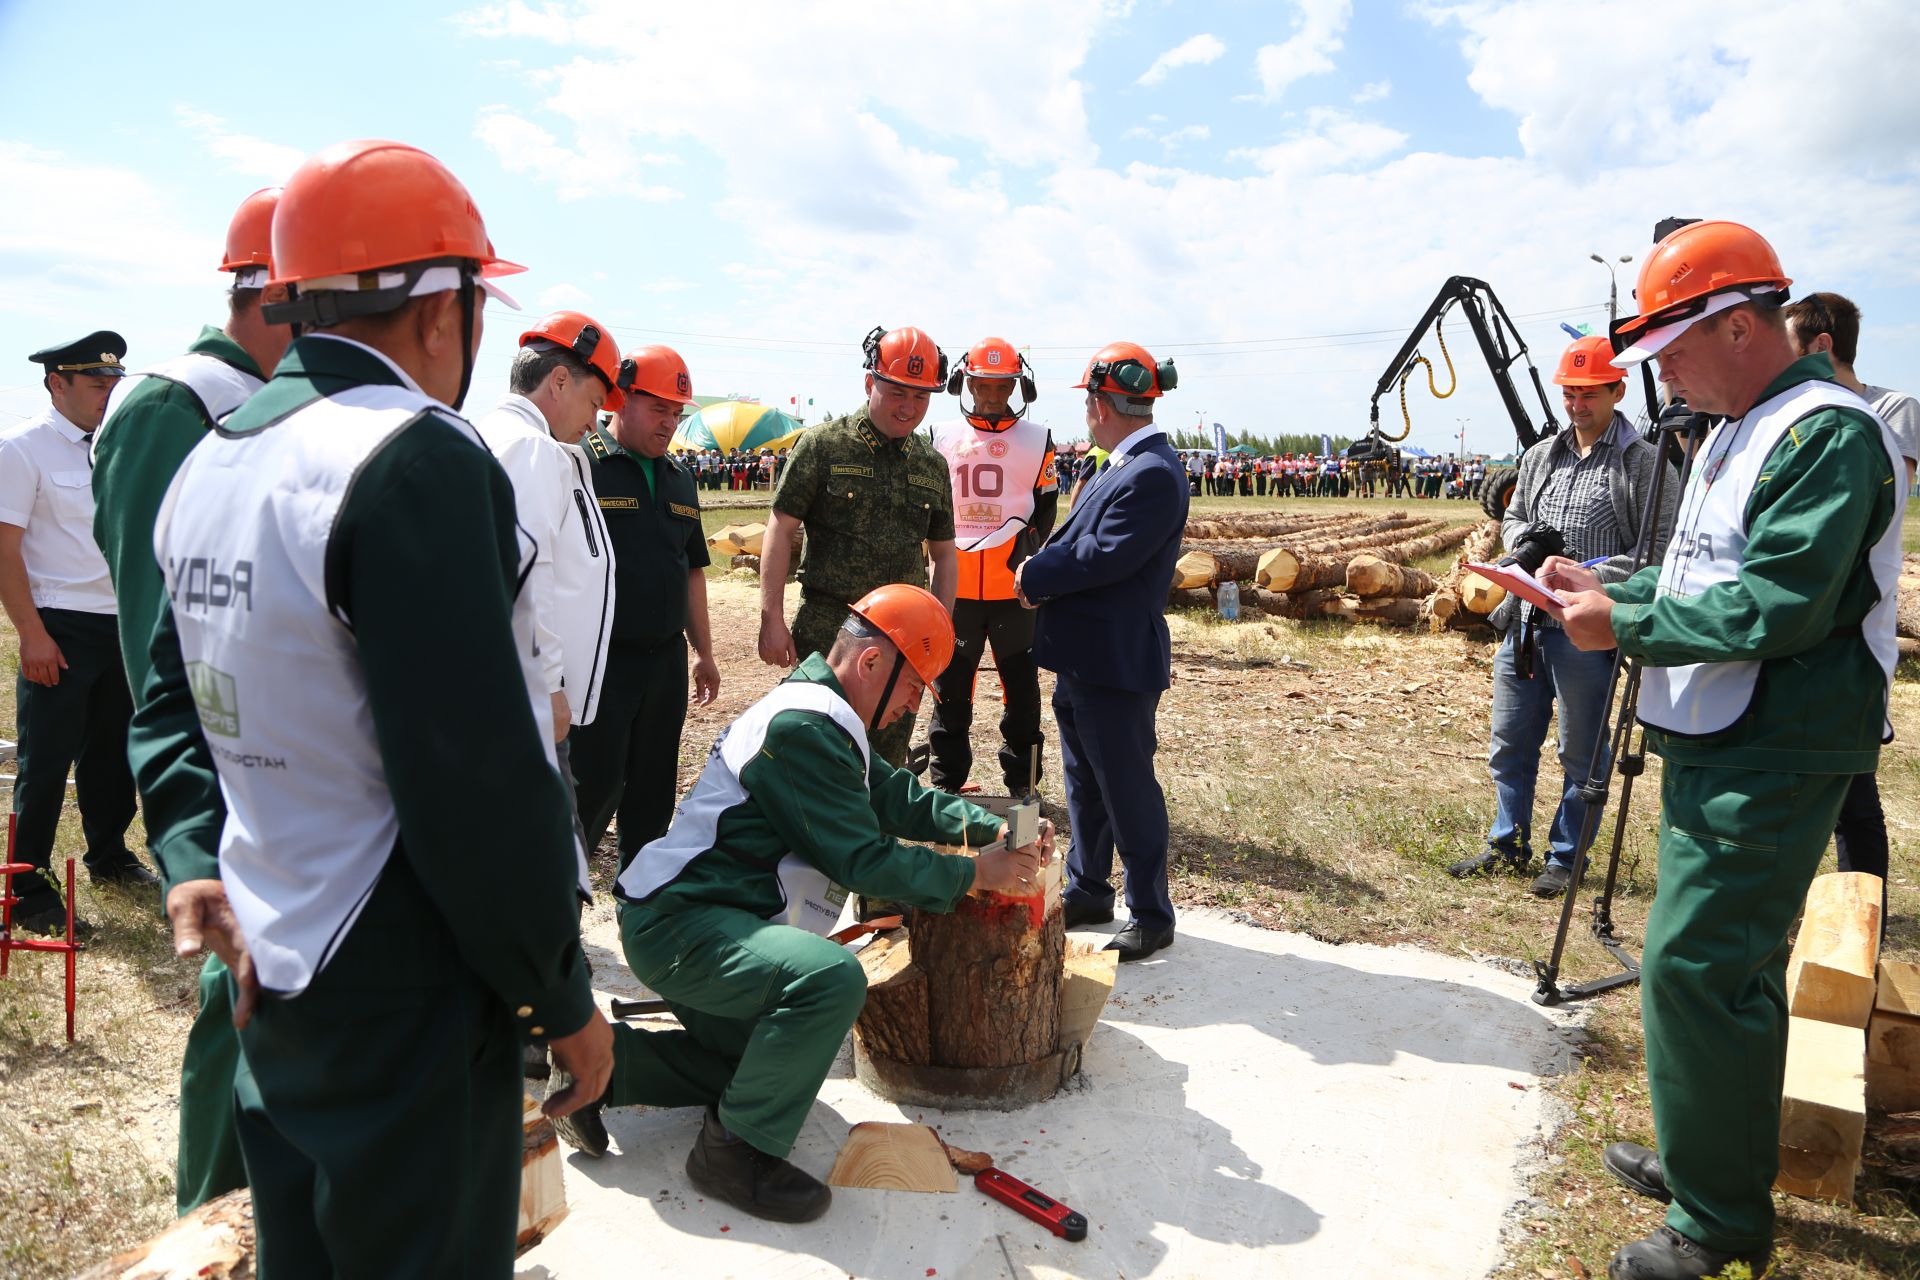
point(1100, 584)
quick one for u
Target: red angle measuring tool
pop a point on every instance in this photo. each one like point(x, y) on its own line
point(1043, 1209)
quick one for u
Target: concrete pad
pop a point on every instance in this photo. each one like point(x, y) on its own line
point(1253, 1103)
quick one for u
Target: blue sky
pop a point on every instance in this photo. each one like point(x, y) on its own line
point(758, 184)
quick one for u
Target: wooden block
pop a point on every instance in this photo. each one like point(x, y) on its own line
point(1823, 1110)
point(1899, 988)
point(893, 1157)
point(543, 1190)
point(893, 1022)
point(1090, 976)
point(1893, 1062)
point(214, 1242)
point(1830, 975)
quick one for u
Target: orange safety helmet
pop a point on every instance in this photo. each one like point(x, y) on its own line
point(998, 359)
point(361, 206)
point(917, 623)
point(250, 238)
point(1127, 369)
point(589, 343)
point(1588, 362)
point(657, 371)
point(1699, 269)
point(906, 357)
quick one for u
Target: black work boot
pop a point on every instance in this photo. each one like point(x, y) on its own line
point(584, 1130)
point(1638, 1168)
point(734, 1170)
point(1494, 859)
point(1668, 1255)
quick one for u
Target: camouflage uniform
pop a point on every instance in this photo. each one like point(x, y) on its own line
point(868, 503)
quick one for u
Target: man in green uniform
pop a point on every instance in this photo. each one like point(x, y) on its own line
point(628, 758)
point(152, 423)
point(347, 656)
point(726, 915)
point(874, 500)
point(1767, 641)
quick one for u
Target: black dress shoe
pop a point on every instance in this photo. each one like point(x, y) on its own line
point(584, 1130)
point(1081, 914)
point(734, 1170)
point(1552, 882)
point(125, 872)
point(1137, 942)
point(1668, 1255)
point(1637, 1167)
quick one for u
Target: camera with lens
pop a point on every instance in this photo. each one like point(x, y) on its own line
point(1536, 542)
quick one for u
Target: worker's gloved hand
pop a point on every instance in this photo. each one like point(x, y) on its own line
point(203, 921)
point(587, 1056)
point(1009, 871)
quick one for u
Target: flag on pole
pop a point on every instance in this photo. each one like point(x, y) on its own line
point(1326, 445)
point(1219, 438)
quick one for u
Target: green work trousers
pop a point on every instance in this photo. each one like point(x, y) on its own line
point(209, 1163)
point(1738, 848)
point(627, 761)
point(814, 627)
point(379, 1109)
point(765, 1009)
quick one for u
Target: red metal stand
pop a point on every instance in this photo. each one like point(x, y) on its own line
point(67, 946)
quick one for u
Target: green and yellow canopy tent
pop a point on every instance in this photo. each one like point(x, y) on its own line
point(736, 424)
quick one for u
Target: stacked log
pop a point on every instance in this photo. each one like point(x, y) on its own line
point(1369, 577)
point(1290, 570)
point(1271, 524)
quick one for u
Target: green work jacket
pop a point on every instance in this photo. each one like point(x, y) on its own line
point(1824, 497)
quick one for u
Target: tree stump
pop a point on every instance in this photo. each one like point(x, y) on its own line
point(966, 1011)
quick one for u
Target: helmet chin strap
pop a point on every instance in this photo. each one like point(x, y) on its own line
point(893, 678)
point(469, 285)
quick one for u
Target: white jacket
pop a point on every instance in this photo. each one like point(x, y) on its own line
point(572, 575)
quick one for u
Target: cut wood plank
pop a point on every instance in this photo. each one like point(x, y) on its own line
point(1893, 1062)
point(214, 1242)
point(1090, 977)
point(543, 1189)
point(1823, 1110)
point(1898, 990)
point(737, 539)
point(893, 1157)
point(1830, 974)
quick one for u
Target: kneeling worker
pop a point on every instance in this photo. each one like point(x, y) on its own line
point(725, 915)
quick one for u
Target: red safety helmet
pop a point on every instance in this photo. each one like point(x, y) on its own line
point(589, 343)
point(658, 371)
point(906, 357)
point(917, 623)
point(1588, 362)
point(250, 234)
point(1127, 369)
point(1701, 268)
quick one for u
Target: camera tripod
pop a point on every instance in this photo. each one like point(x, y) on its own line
point(1627, 754)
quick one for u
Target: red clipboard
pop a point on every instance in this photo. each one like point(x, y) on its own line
point(1526, 588)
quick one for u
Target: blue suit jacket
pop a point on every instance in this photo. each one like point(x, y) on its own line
point(1101, 581)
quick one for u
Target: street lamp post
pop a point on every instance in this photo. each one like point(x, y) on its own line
point(1613, 285)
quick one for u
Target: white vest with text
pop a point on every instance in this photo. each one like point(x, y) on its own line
point(994, 475)
point(275, 674)
point(1708, 548)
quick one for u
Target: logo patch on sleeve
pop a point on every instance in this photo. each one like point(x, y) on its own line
point(682, 509)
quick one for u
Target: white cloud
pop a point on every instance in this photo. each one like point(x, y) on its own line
point(602, 165)
point(563, 297)
point(269, 162)
point(1309, 51)
point(1194, 51)
point(1373, 91)
point(975, 200)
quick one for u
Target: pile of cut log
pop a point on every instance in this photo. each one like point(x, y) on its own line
point(1356, 567)
point(1853, 1037)
point(740, 544)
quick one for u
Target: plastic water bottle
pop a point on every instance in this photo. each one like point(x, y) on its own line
point(1230, 601)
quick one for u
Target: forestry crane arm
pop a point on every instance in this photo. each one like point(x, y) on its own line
point(1501, 346)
